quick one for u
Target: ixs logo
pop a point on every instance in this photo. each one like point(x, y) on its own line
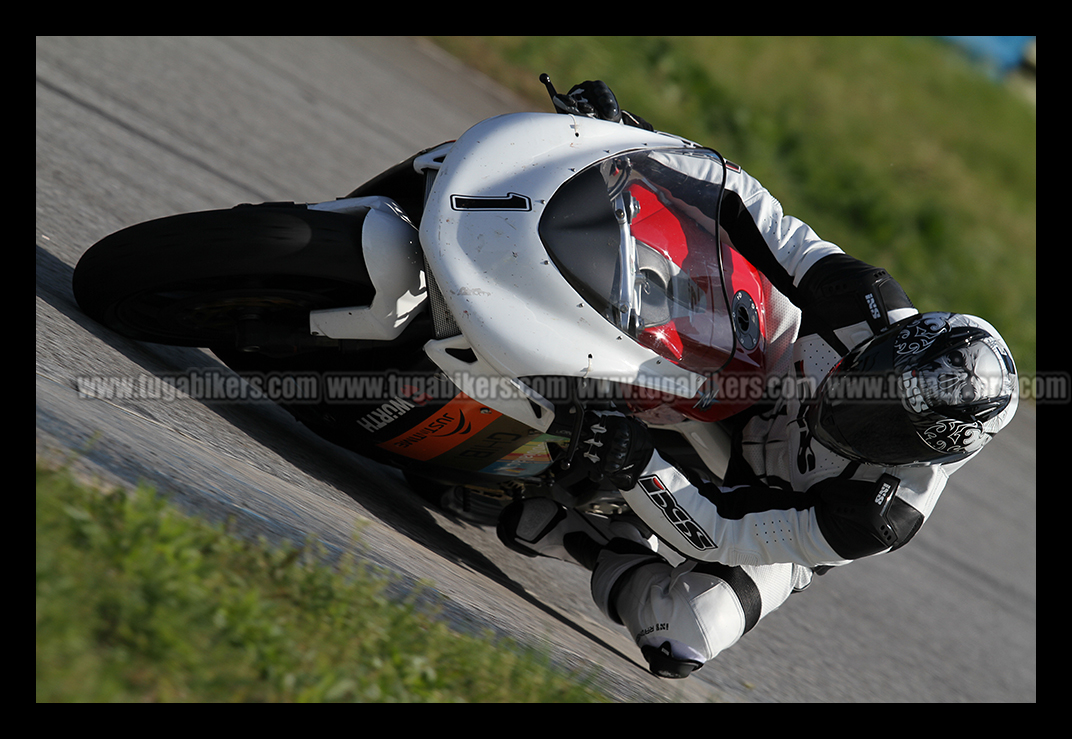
point(675, 514)
point(884, 490)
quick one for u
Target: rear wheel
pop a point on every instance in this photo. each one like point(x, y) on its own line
point(190, 279)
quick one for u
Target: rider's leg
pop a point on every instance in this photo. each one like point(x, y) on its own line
point(681, 616)
point(542, 527)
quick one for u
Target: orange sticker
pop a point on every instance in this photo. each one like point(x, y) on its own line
point(455, 423)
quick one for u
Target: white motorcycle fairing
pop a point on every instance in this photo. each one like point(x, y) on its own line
point(516, 312)
point(558, 260)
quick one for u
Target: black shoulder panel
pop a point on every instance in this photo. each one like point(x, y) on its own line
point(859, 518)
point(840, 290)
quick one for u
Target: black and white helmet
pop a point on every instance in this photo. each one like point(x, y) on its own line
point(934, 388)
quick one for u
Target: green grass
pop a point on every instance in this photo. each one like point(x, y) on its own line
point(894, 148)
point(139, 603)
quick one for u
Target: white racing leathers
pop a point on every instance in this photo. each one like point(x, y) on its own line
point(788, 504)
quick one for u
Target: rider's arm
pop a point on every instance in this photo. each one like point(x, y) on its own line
point(832, 523)
point(831, 288)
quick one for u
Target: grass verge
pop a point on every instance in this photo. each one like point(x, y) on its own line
point(137, 602)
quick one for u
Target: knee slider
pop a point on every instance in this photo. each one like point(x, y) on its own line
point(683, 617)
point(671, 659)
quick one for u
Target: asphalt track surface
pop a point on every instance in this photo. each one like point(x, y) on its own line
point(130, 129)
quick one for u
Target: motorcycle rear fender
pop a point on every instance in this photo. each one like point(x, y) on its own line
point(392, 253)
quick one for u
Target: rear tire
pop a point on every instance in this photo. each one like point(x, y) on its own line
point(186, 280)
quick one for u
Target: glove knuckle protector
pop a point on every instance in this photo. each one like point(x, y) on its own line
point(617, 447)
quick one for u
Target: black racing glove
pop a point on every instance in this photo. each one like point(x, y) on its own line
point(593, 99)
point(614, 447)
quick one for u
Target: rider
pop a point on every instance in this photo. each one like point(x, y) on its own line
point(813, 482)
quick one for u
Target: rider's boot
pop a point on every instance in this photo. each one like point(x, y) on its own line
point(542, 527)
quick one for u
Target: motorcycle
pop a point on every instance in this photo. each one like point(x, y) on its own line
point(461, 312)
